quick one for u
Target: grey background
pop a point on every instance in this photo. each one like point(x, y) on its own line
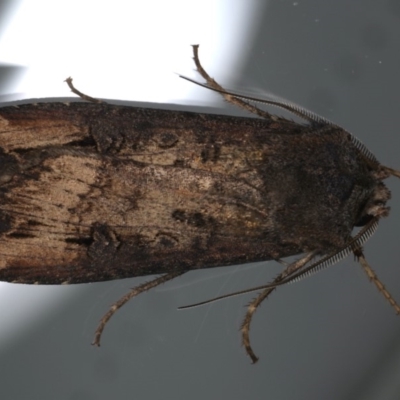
point(332, 336)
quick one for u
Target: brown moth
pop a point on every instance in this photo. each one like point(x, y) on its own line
point(93, 191)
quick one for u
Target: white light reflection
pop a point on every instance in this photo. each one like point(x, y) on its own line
point(120, 49)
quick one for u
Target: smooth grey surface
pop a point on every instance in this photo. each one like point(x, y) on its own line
point(332, 336)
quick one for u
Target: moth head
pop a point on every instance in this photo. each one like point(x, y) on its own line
point(375, 207)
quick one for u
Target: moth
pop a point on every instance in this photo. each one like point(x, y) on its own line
point(91, 191)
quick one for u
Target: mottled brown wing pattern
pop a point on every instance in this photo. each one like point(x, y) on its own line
point(95, 200)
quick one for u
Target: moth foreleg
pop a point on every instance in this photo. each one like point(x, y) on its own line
point(123, 300)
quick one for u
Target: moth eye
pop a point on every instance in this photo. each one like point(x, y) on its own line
point(363, 220)
point(374, 205)
point(363, 215)
point(375, 210)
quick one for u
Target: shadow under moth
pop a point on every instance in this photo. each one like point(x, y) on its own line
point(91, 191)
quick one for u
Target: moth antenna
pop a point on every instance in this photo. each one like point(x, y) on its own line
point(225, 296)
point(144, 287)
point(80, 94)
point(238, 293)
point(360, 146)
point(234, 294)
point(331, 259)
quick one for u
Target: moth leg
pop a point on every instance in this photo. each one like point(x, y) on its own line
point(123, 300)
point(80, 94)
point(280, 261)
point(228, 97)
point(252, 307)
point(373, 278)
